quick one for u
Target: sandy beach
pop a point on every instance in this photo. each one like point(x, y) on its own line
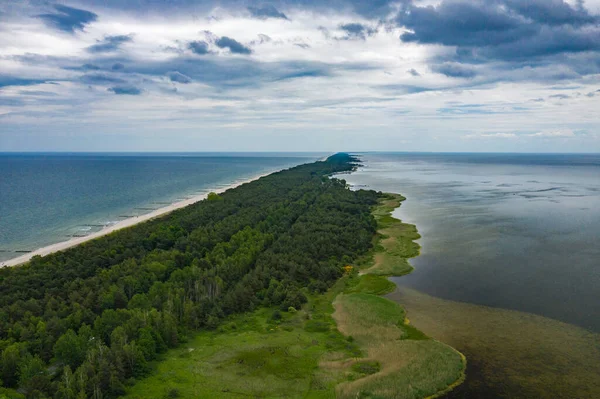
point(61, 246)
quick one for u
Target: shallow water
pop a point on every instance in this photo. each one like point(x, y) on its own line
point(516, 231)
point(47, 198)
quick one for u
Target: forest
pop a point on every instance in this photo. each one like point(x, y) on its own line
point(87, 322)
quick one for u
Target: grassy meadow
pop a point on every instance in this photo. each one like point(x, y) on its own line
point(347, 343)
point(263, 354)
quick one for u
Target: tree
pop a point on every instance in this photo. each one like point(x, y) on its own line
point(68, 349)
point(10, 364)
point(67, 385)
point(147, 344)
point(213, 197)
point(33, 376)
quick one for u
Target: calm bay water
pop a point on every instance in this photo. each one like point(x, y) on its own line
point(516, 231)
point(45, 198)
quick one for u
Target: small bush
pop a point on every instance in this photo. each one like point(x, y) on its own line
point(316, 326)
point(276, 316)
point(173, 393)
point(366, 367)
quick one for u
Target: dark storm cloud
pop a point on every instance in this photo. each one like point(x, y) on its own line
point(199, 47)
point(233, 45)
point(413, 72)
point(503, 29)
point(109, 43)
point(462, 24)
point(454, 70)
point(89, 67)
point(357, 31)
point(516, 37)
point(14, 81)
point(68, 19)
point(547, 42)
point(265, 12)
point(100, 79)
point(117, 66)
point(178, 77)
point(126, 90)
point(553, 12)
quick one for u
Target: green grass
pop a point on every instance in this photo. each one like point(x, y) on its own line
point(259, 356)
point(255, 357)
point(370, 284)
point(395, 242)
point(409, 364)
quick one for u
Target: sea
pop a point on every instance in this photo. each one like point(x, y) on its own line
point(513, 231)
point(52, 197)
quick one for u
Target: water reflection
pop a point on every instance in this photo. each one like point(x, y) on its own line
point(513, 231)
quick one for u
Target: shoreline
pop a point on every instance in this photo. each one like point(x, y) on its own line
point(390, 335)
point(129, 222)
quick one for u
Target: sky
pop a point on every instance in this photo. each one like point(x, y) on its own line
point(300, 75)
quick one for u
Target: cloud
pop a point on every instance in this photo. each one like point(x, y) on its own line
point(593, 93)
point(560, 96)
point(454, 70)
point(262, 38)
point(462, 66)
point(371, 9)
point(553, 12)
point(37, 93)
point(219, 72)
point(233, 45)
point(68, 19)
point(125, 90)
point(109, 43)
point(199, 47)
point(454, 23)
point(178, 77)
point(265, 12)
point(535, 33)
point(6, 81)
point(554, 134)
point(490, 136)
point(100, 79)
point(89, 67)
point(355, 31)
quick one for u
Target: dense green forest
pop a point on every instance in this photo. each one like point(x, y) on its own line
point(84, 323)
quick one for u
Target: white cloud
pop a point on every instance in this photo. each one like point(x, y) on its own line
point(490, 136)
point(554, 134)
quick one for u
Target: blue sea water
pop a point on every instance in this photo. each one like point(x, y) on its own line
point(516, 231)
point(46, 198)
